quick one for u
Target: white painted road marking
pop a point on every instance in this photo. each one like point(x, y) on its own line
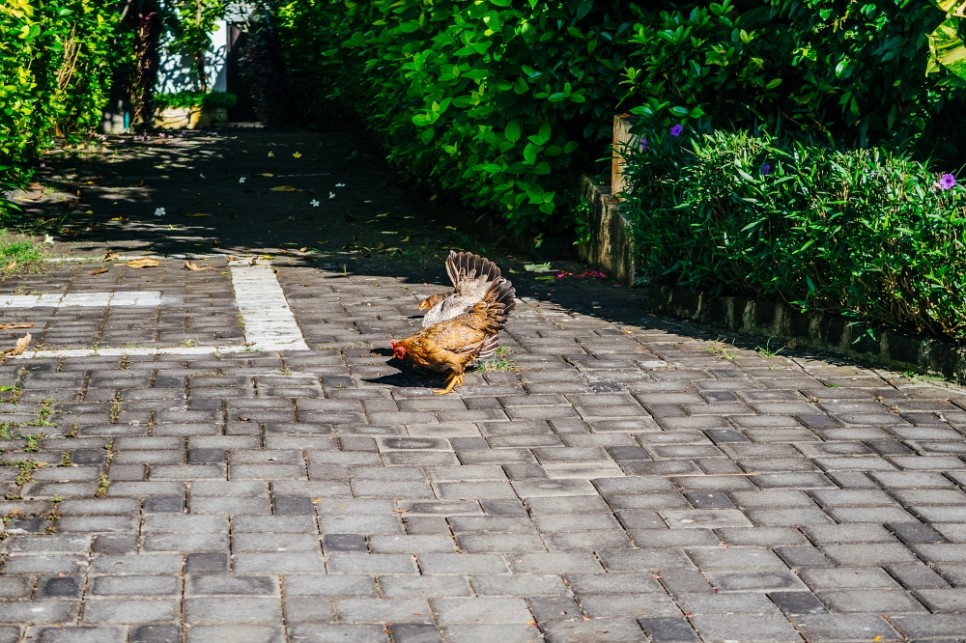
point(268, 321)
point(85, 300)
point(134, 351)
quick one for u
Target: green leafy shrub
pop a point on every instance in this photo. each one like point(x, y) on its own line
point(499, 102)
point(862, 233)
point(489, 101)
point(56, 59)
point(855, 71)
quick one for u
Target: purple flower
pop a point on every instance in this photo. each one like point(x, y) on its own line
point(676, 130)
point(947, 181)
point(643, 146)
point(766, 169)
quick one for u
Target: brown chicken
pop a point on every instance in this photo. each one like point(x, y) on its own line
point(472, 276)
point(451, 345)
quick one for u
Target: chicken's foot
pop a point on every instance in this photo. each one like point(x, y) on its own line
point(453, 381)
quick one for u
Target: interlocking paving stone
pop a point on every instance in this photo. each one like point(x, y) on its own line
point(623, 484)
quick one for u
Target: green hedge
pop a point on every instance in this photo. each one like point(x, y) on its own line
point(56, 59)
point(499, 102)
point(862, 233)
point(485, 100)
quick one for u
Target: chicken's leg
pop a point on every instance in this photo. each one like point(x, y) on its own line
point(453, 380)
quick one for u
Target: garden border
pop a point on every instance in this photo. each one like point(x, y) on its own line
point(610, 248)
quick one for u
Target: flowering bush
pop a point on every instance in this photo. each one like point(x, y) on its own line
point(863, 233)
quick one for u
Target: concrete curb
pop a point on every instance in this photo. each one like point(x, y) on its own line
point(814, 331)
point(611, 244)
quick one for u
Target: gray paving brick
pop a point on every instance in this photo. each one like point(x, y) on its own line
point(870, 553)
point(214, 561)
point(130, 610)
point(508, 543)
point(337, 632)
point(848, 577)
point(463, 563)
point(870, 600)
point(613, 606)
point(736, 558)
point(668, 629)
point(593, 630)
point(621, 560)
point(167, 633)
point(80, 634)
point(797, 602)
point(771, 580)
point(764, 627)
point(942, 600)
point(845, 627)
point(376, 564)
point(380, 610)
point(334, 585)
point(60, 586)
point(916, 576)
point(726, 603)
point(934, 626)
point(435, 585)
point(256, 563)
point(481, 610)
point(43, 564)
point(414, 633)
point(248, 633)
point(133, 585)
point(233, 609)
point(849, 533)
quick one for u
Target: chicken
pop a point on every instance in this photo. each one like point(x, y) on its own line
point(471, 276)
point(451, 345)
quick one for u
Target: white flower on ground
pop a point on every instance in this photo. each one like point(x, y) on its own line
point(315, 203)
point(340, 185)
point(48, 239)
point(159, 212)
point(241, 179)
point(331, 195)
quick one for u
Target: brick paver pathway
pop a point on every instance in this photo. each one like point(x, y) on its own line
point(170, 476)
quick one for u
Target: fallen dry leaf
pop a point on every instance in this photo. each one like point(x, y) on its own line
point(99, 271)
point(16, 325)
point(10, 266)
point(191, 265)
point(147, 262)
point(20, 347)
point(284, 188)
point(110, 255)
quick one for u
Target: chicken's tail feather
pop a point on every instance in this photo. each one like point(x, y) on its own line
point(469, 271)
point(502, 292)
